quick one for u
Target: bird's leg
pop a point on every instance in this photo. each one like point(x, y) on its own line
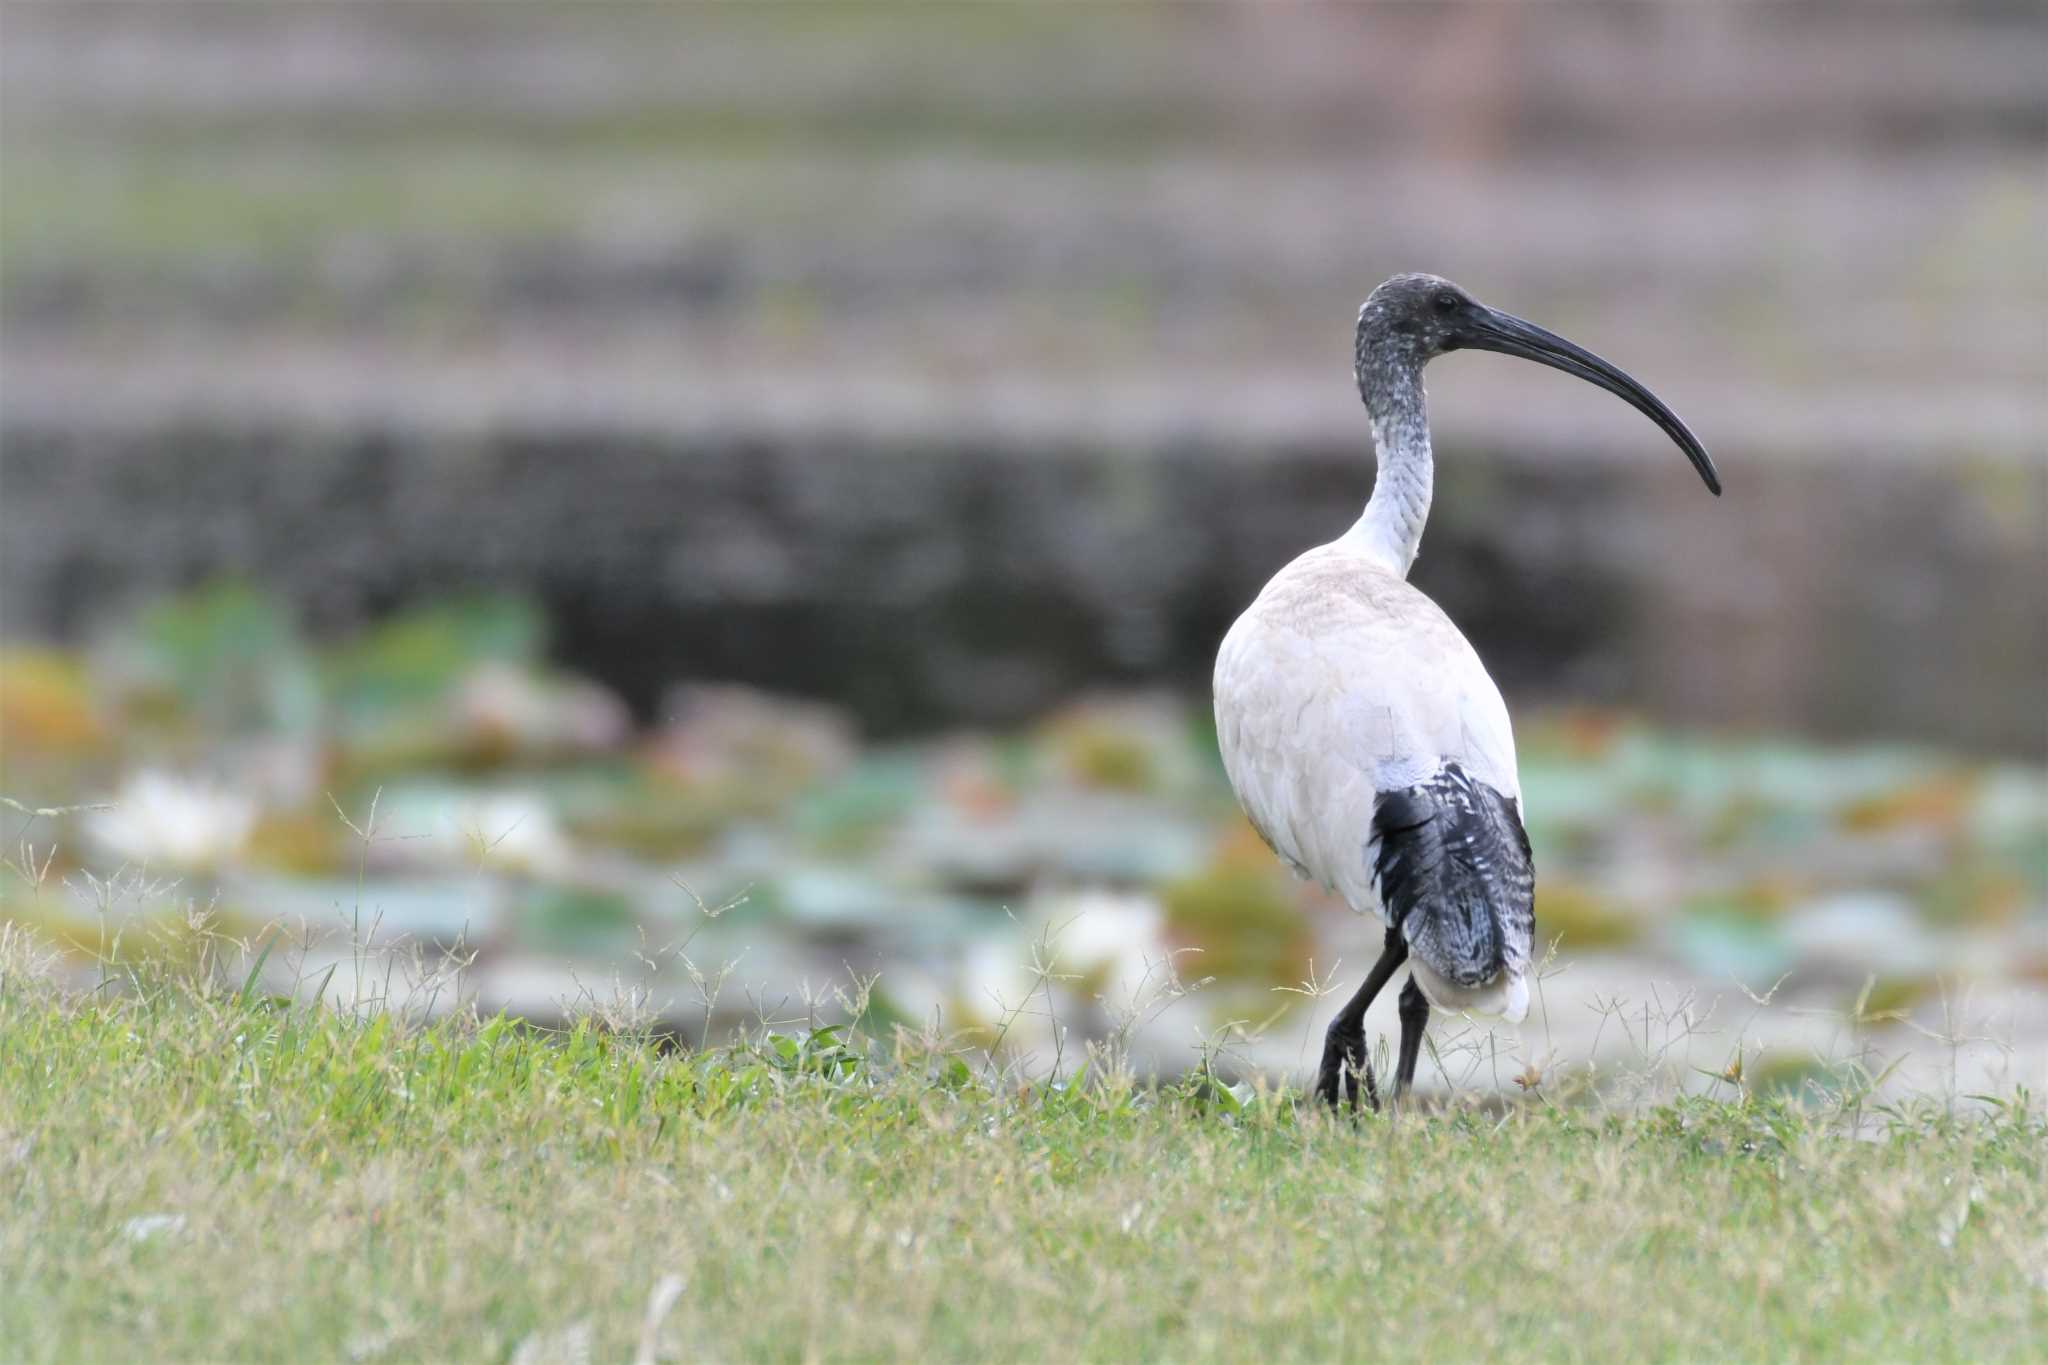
point(1344, 1044)
point(1414, 1019)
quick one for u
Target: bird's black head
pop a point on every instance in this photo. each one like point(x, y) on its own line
point(1412, 319)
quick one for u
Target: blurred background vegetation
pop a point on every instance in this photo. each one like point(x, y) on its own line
point(801, 458)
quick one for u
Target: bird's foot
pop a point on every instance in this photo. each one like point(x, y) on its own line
point(1345, 1072)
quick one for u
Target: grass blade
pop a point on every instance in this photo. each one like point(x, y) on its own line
point(256, 969)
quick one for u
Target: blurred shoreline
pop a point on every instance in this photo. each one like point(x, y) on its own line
point(427, 815)
point(927, 584)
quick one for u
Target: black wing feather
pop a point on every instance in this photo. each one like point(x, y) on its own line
point(1455, 875)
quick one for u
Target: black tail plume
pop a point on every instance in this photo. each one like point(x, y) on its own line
point(1455, 875)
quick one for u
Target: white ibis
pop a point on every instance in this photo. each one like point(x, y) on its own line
point(1363, 737)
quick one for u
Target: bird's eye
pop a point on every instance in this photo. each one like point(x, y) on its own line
point(1445, 302)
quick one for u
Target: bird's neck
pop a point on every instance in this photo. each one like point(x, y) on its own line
point(1390, 531)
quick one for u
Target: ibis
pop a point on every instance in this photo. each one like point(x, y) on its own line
point(1361, 733)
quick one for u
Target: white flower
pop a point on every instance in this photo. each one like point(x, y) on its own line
point(160, 819)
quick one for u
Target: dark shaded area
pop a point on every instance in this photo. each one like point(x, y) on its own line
point(926, 585)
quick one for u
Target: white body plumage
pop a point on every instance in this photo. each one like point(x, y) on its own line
point(1342, 682)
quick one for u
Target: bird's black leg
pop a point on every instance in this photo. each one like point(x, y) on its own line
point(1414, 1019)
point(1344, 1044)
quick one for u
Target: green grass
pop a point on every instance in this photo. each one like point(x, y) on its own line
point(189, 1174)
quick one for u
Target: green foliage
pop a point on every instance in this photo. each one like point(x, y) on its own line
point(46, 703)
point(1891, 997)
point(847, 815)
point(1580, 919)
point(1101, 756)
point(415, 657)
point(226, 656)
point(1242, 917)
point(567, 919)
point(656, 819)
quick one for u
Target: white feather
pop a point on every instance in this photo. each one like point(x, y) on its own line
point(1340, 682)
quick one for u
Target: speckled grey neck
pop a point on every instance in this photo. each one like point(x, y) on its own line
point(1389, 371)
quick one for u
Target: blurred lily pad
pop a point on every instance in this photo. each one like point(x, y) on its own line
point(420, 655)
point(1580, 918)
point(1942, 801)
point(831, 896)
point(304, 843)
point(1856, 930)
point(850, 813)
point(225, 658)
point(46, 704)
point(1731, 946)
point(1244, 918)
point(380, 910)
point(650, 818)
point(577, 920)
point(1790, 1074)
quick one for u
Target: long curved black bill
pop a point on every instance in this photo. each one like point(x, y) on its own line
point(1509, 335)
